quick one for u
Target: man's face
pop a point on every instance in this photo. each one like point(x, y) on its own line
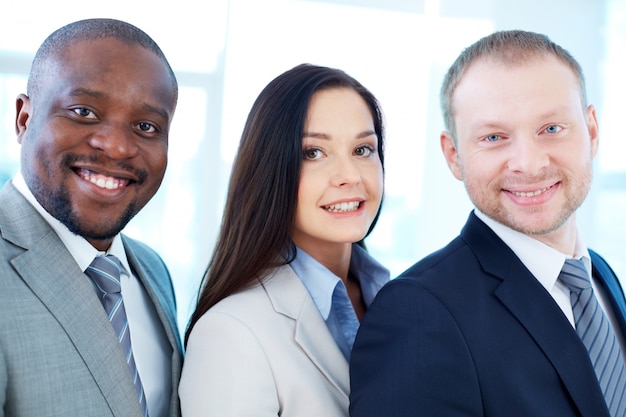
point(94, 137)
point(525, 145)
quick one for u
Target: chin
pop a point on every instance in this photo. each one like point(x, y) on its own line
point(355, 237)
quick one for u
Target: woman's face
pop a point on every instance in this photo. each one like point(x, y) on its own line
point(341, 180)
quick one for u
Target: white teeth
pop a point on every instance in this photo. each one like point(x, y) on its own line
point(531, 193)
point(102, 181)
point(342, 207)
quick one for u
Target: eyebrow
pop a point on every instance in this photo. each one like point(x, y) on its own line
point(485, 124)
point(158, 110)
point(555, 113)
point(319, 135)
point(86, 92)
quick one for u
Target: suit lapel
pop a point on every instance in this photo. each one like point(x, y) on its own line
point(165, 310)
point(290, 298)
point(51, 273)
point(548, 326)
point(605, 276)
point(162, 300)
point(538, 313)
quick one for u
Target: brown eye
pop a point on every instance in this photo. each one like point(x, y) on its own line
point(364, 150)
point(146, 127)
point(312, 153)
point(83, 112)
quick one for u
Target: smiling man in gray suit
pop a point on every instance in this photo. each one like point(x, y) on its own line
point(94, 132)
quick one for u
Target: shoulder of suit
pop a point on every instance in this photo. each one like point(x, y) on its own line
point(142, 253)
point(139, 247)
point(279, 291)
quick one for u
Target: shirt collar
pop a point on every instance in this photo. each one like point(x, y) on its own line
point(80, 249)
point(544, 262)
point(320, 282)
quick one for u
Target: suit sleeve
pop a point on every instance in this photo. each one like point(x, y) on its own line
point(226, 372)
point(410, 359)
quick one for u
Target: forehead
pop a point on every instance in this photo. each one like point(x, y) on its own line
point(335, 101)
point(489, 80)
point(112, 66)
point(492, 93)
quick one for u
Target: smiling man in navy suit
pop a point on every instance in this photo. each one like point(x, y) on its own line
point(484, 326)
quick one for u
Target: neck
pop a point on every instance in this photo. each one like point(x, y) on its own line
point(335, 257)
point(563, 239)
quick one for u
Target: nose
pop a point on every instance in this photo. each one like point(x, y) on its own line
point(345, 172)
point(117, 141)
point(528, 156)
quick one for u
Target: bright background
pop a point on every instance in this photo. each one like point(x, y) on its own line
point(224, 52)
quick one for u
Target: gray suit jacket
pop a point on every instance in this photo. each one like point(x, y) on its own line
point(58, 353)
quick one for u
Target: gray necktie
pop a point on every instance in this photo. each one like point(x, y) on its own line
point(105, 273)
point(594, 329)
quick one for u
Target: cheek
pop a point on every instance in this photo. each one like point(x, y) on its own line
point(155, 161)
point(301, 201)
point(470, 175)
point(39, 158)
point(309, 186)
point(478, 165)
point(301, 215)
point(376, 181)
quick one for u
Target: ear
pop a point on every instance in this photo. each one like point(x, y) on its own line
point(593, 129)
point(23, 109)
point(448, 147)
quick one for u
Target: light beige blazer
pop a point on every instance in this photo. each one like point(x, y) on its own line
point(264, 352)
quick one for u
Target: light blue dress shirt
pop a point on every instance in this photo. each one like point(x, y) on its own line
point(331, 297)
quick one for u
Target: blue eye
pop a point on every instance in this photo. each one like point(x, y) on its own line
point(553, 129)
point(492, 138)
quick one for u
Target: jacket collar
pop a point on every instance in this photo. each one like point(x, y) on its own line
point(47, 268)
point(290, 298)
point(538, 313)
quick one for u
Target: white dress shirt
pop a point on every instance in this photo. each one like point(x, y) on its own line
point(545, 264)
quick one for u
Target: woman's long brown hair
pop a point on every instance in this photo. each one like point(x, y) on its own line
point(261, 202)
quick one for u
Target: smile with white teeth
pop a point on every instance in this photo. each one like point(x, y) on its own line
point(343, 207)
point(530, 193)
point(102, 181)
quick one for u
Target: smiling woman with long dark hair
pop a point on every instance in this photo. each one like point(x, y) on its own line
point(290, 279)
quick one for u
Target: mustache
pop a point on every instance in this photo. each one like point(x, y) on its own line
point(140, 174)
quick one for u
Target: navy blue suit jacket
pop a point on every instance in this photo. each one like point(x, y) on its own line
point(468, 331)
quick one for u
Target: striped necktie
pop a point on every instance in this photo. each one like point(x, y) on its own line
point(105, 273)
point(594, 329)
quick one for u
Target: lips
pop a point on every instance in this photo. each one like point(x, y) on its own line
point(343, 207)
point(102, 181)
point(530, 193)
